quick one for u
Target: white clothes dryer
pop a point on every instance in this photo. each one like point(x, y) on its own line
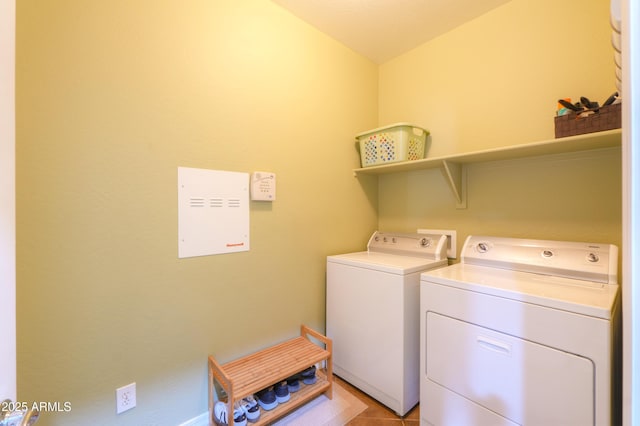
point(373, 300)
point(521, 332)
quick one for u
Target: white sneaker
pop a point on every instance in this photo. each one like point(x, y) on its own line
point(221, 417)
point(251, 408)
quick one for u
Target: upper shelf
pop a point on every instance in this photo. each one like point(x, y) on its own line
point(454, 171)
point(585, 142)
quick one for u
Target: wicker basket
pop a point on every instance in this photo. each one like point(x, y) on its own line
point(607, 118)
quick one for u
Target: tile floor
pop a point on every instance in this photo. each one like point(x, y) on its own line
point(377, 414)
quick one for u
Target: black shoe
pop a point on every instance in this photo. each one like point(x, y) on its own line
point(282, 392)
point(307, 376)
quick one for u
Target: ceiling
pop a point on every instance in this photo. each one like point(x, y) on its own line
point(384, 29)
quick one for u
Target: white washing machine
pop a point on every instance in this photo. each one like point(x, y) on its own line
point(521, 332)
point(373, 300)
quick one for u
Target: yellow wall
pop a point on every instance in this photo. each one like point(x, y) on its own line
point(112, 97)
point(495, 82)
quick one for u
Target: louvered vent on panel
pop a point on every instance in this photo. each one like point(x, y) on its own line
point(216, 202)
point(196, 202)
point(213, 212)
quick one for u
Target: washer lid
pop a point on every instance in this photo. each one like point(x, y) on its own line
point(385, 262)
point(590, 298)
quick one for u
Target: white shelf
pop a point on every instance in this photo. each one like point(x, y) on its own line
point(453, 166)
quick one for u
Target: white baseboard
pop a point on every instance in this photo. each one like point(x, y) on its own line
point(201, 420)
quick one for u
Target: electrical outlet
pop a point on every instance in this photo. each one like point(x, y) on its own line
point(125, 398)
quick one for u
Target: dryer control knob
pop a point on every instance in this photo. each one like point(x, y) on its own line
point(593, 258)
point(425, 242)
point(482, 247)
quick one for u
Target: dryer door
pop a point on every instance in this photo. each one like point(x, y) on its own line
point(525, 382)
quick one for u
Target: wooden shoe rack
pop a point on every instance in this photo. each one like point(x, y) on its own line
point(252, 373)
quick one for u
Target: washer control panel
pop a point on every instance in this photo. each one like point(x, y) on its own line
point(419, 245)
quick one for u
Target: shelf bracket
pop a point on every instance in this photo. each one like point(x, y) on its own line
point(456, 176)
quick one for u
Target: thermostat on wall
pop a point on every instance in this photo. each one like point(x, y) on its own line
point(263, 186)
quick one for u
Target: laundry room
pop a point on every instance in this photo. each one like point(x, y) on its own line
point(113, 98)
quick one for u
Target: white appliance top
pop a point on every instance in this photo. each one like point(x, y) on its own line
point(572, 276)
point(399, 253)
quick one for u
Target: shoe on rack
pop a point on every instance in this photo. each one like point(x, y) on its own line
point(251, 408)
point(282, 392)
point(293, 383)
point(309, 375)
point(221, 416)
point(267, 398)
